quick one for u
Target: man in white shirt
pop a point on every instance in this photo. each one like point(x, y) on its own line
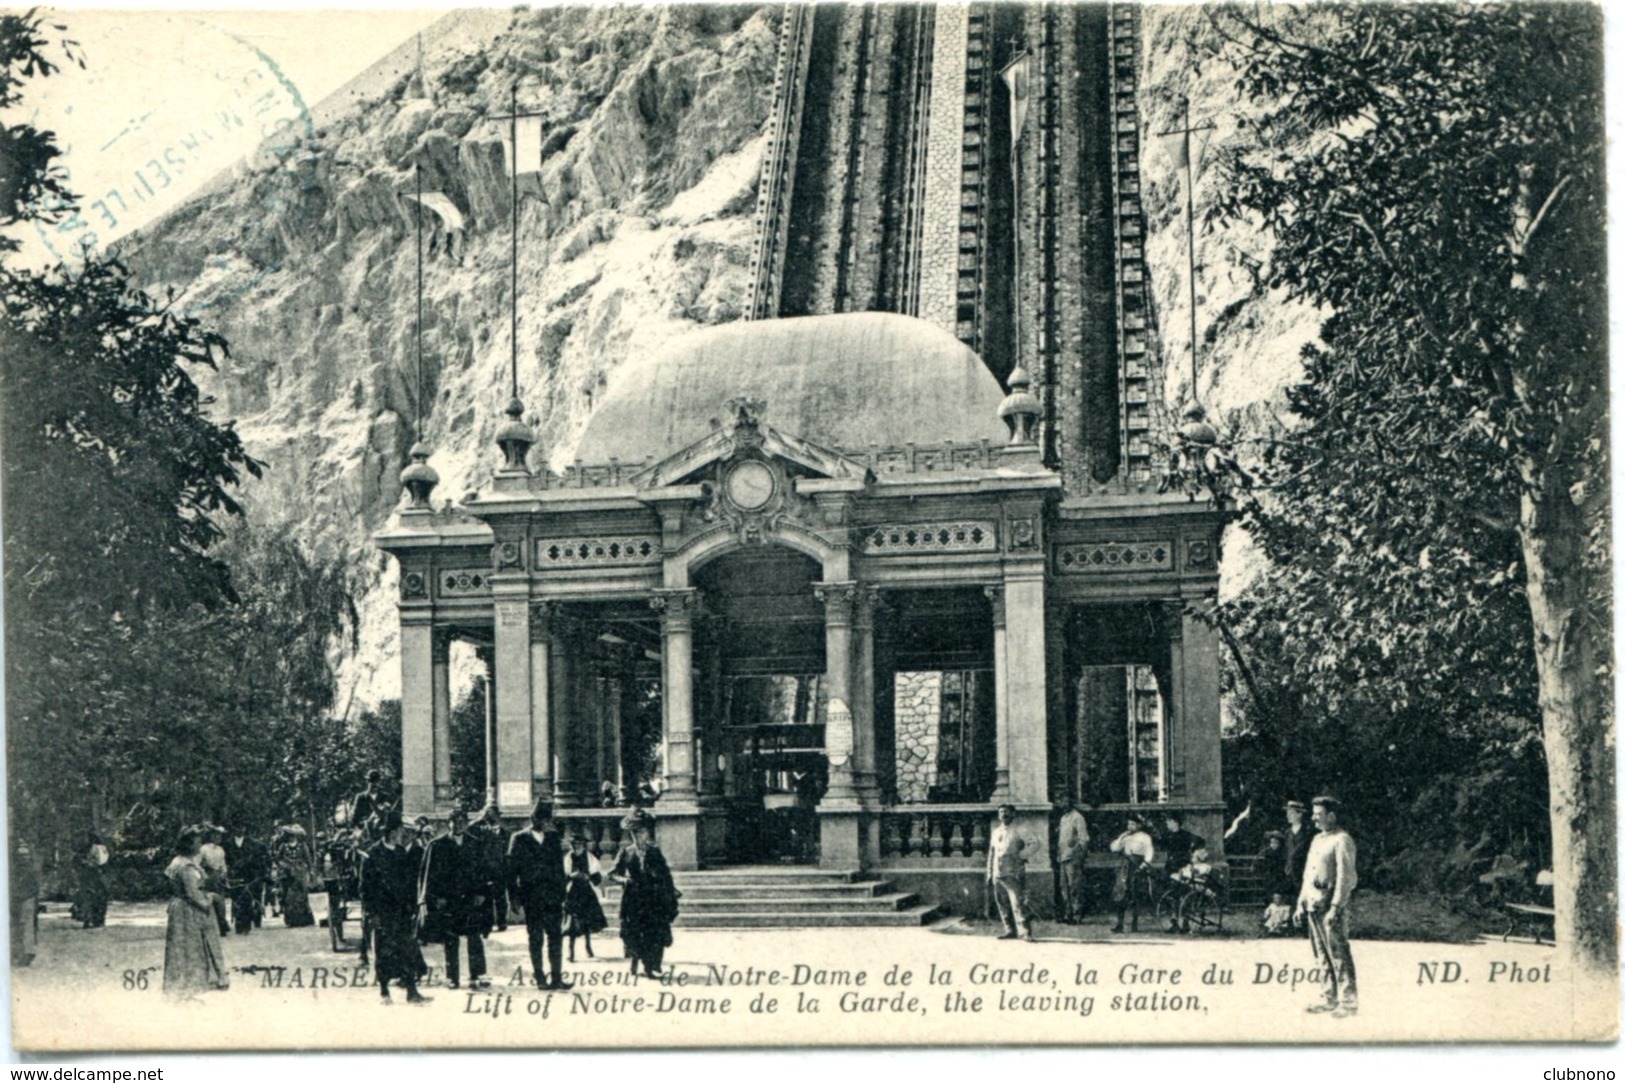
point(1138, 853)
point(1007, 875)
point(1071, 851)
point(1328, 881)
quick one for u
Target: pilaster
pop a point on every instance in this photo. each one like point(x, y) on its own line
point(417, 714)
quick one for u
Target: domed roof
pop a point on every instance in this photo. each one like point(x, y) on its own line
point(844, 381)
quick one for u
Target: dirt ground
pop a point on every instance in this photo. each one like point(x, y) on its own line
point(951, 984)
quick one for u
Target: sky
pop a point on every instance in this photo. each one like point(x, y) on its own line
point(169, 98)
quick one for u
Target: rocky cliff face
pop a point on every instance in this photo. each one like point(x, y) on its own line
point(639, 227)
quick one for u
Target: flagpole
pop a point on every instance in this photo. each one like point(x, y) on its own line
point(418, 170)
point(1190, 236)
point(513, 262)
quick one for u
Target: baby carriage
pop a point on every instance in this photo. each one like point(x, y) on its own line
point(1194, 897)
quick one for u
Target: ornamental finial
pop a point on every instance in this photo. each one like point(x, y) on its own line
point(515, 438)
point(1020, 409)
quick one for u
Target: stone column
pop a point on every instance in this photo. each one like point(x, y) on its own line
point(839, 722)
point(678, 809)
point(511, 654)
point(441, 697)
point(864, 760)
point(541, 698)
point(417, 714)
point(613, 706)
point(1025, 705)
point(676, 608)
point(842, 842)
point(485, 654)
point(1173, 706)
point(1199, 727)
point(1001, 696)
point(577, 749)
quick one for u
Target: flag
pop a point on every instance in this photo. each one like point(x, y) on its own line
point(440, 203)
point(528, 158)
point(1185, 146)
point(1018, 76)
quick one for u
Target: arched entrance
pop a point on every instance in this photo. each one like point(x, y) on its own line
point(761, 702)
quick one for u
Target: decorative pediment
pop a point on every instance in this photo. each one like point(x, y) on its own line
point(745, 435)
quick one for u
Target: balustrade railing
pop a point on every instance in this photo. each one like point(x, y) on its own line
point(935, 833)
point(602, 828)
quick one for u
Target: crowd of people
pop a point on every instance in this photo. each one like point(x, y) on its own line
point(418, 889)
point(1311, 862)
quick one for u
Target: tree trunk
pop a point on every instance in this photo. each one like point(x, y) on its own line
point(1570, 644)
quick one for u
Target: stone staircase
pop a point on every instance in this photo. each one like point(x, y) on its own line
point(787, 897)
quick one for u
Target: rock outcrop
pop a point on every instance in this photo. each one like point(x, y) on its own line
point(638, 227)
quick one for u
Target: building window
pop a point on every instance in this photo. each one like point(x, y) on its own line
point(1121, 746)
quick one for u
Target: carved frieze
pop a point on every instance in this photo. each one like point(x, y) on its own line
point(1199, 554)
point(464, 582)
point(911, 539)
point(575, 552)
point(1106, 557)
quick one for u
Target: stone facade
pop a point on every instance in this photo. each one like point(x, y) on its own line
point(919, 718)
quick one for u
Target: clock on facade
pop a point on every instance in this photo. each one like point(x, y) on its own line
point(750, 486)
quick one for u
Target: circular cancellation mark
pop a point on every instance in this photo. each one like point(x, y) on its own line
point(165, 103)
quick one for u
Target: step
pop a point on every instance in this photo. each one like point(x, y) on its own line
point(879, 904)
point(864, 890)
point(807, 919)
point(768, 874)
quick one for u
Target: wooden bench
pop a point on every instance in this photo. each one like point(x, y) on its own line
point(1533, 917)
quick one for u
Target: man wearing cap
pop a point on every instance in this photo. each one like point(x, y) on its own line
point(1297, 836)
point(1007, 873)
point(537, 881)
point(1138, 853)
point(366, 804)
point(389, 894)
point(1071, 851)
point(1323, 904)
point(454, 888)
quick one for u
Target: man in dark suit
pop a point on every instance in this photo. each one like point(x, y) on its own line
point(1298, 836)
point(1177, 844)
point(537, 882)
point(248, 866)
point(454, 888)
point(367, 806)
point(389, 894)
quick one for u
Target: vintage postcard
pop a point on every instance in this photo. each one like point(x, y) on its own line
point(856, 525)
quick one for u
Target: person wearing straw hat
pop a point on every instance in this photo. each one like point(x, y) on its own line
point(648, 897)
point(583, 913)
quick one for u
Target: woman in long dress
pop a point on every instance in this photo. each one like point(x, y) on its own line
point(193, 960)
point(583, 913)
point(648, 900)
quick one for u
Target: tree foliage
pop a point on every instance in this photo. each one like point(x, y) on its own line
point(1432, 177)
point(161, 666)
